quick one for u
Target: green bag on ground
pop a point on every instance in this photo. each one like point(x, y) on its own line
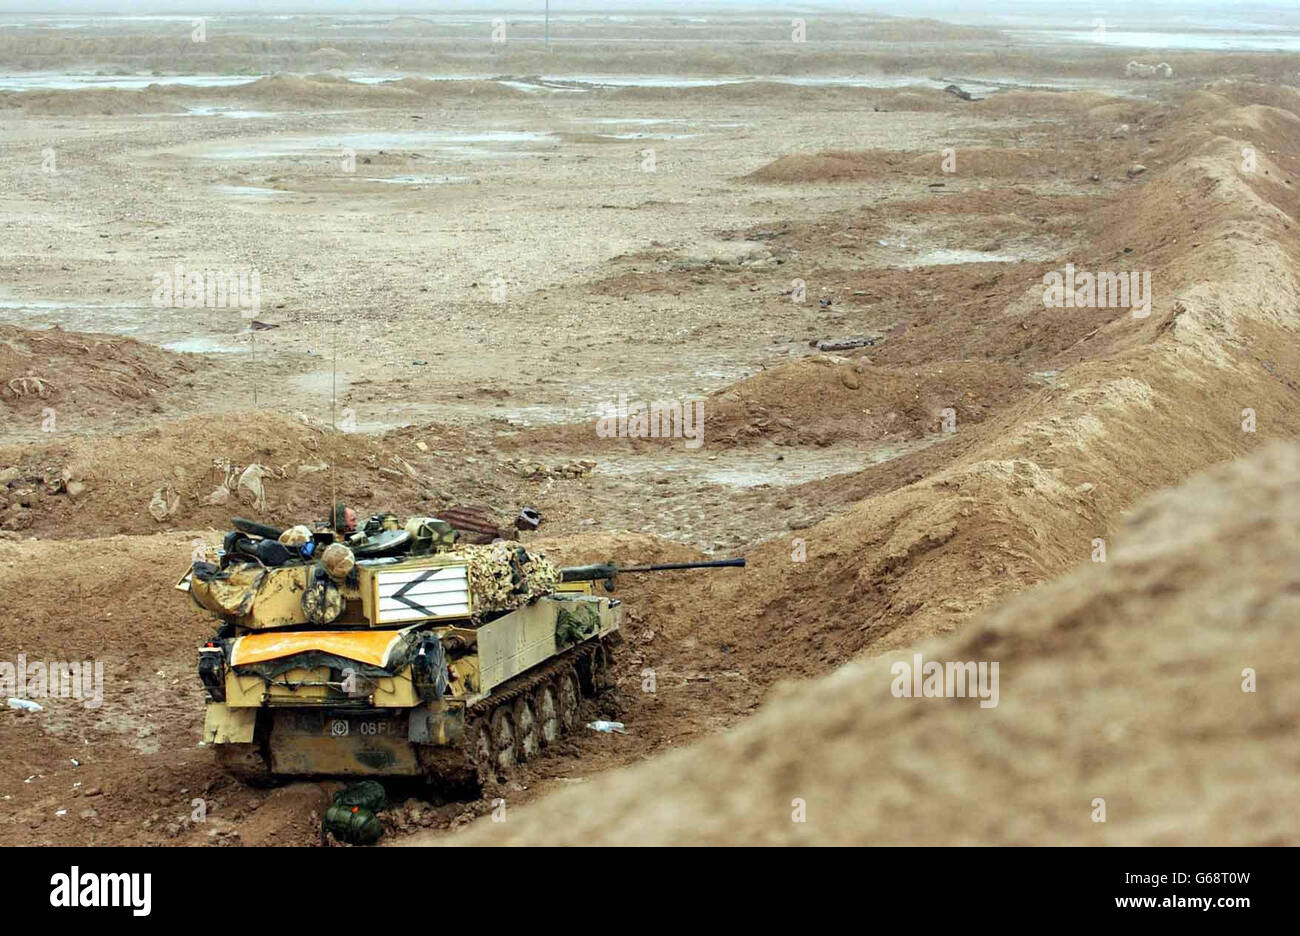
point(368, 794)
point(352, 817)
point(355, 825)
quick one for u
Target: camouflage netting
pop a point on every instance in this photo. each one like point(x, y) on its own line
point(505, 576)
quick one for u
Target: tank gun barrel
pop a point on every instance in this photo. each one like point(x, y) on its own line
point(609, 571)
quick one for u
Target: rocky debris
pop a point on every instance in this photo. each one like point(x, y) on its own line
point(53, 480)
point(251, 489)
point(165, 503)
point(536, 471)
point(1141, 70)
point(415, 815)
point(958, 92)
point(725, 254)
point(844, 344)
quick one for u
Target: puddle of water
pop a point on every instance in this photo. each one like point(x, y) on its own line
point(914, 255)
point(542, 415)
point(423, 180)
point(647, 136)
point(644, 81)
point(57, 81)
point(883, 81)
point(574, 83)
point(448, 141)
point(249, 191)
point(530, 88)
point(943, 257)
point(204, 346)
point(1242, 42)
point(79, 315)
point(654, 122)
point(175, 329)
point(638, 121)
point(217, 110)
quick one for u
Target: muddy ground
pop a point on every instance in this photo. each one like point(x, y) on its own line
point(458, 277)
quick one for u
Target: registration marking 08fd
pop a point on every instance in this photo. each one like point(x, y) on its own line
point(342, 727)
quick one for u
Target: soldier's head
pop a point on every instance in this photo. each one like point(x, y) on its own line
point(345, 518)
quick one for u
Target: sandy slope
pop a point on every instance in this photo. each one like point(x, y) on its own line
point(1156, 399)
point(1122, 681)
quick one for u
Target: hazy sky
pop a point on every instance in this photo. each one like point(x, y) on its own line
point(1012, 12)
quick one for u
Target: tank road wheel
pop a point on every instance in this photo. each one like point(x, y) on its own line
point(527, 731)
point(548, 714)
point(594, 669)
point(602, 677)
point(567, 699)
point(504, 746)
point(479, 737)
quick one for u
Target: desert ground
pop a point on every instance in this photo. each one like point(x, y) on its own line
point(467, 251)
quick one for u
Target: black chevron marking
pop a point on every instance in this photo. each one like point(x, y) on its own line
point(400, 594)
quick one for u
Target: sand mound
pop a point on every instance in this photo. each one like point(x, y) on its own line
point(824, 167)
point(281, 91)
point(1122, 681)
point(89, 101)
point(1016, 164)
point(829, 398)
point(924, 100)
point(298, 91)
point(434, 89)
point(82, 376)
point(191, 458)
point(824, 400)
point(1038, 102)
point(765, 92)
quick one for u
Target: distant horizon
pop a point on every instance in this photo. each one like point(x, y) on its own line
point(1225, 15)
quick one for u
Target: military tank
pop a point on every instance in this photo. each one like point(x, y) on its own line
point(397, 651)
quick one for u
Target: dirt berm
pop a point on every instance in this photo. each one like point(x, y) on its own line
point(1122, 682)
point(1134, 404)
point(1141, 683)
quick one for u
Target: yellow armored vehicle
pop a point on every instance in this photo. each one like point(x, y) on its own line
point(395, 651)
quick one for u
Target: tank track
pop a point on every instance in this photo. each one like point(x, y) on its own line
point(575, 656)
point(247, 763)
point(518, 723)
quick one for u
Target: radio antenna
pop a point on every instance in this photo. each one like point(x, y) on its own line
point(252, 333)
point(335, 520)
